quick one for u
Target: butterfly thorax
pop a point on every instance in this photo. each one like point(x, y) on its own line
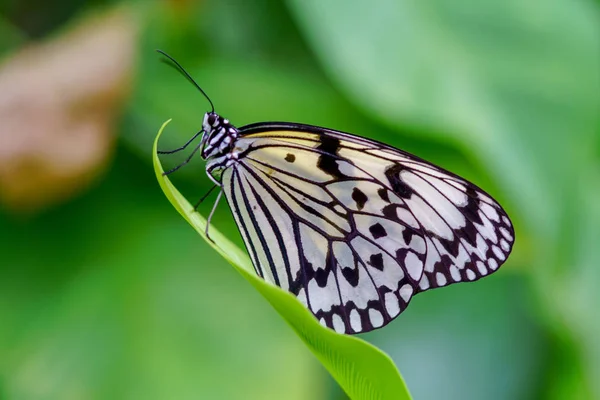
point(219, 136)
point(218, 143)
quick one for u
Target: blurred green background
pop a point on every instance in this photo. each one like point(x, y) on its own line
point(105, 292)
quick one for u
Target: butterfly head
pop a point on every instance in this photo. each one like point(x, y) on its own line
point(219, 135)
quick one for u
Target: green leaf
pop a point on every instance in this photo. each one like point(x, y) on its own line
point(362, 370)
point(10, 36)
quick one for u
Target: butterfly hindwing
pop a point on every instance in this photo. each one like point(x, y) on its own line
point(354, 228)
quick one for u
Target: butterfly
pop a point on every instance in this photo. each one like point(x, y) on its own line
point(354, 228)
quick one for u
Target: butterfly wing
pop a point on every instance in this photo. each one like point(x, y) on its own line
point(353, 227)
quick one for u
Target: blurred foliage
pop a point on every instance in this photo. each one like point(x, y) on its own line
point(111, 295)
point(63, 97)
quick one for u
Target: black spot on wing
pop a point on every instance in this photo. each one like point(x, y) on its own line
point(351, 275)
point(290, 158)
point(327, 161)
point(376, 261)
point(398, 186)
point(359, 197)
point(296, 284)
point(383, 194)
point(407, 235)
point(389, 212)
point(469, 233)
point(401, 255)
point(320, 275)
point(377, 231)
point(471, 209)
point(443, 265)
point(450, 246)
point(471, 212)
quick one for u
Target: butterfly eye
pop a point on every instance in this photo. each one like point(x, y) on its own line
point(212, 120)
point(209, 122)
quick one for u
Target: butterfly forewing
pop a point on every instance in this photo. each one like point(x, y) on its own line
point(354, 228)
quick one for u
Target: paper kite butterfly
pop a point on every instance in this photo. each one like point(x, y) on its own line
point(353, 227)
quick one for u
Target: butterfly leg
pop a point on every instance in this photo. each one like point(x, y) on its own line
point(182, 147)
point(204, 197)
point(187, 160)
point(211, 215)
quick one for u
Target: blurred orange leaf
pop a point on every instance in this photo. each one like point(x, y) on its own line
point(59, 102)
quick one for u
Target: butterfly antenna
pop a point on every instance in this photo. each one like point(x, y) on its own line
point(188, 76)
